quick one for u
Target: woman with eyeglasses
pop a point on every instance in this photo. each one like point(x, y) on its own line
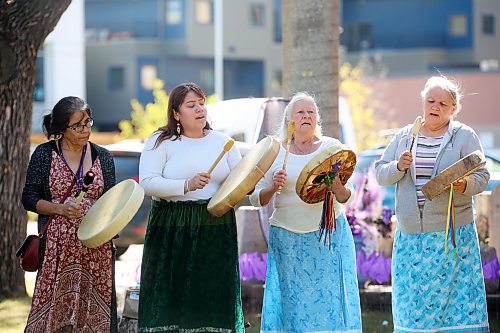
point(74, 290)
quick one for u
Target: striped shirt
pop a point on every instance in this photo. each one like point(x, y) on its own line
point(427, 150)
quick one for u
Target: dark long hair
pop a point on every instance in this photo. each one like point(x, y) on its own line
point(56, 122)
point(175, 100)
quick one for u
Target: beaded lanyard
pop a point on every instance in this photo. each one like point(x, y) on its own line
point(78, 176)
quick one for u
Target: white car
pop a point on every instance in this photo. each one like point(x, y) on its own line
point(248, 120)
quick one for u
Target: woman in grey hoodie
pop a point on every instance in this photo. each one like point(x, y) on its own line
point(437, 280)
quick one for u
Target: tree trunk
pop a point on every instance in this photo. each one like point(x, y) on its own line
point(311, 55)
point(24, 24)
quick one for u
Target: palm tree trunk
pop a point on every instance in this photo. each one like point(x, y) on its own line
point(311, 55)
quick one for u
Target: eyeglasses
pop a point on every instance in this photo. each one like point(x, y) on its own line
point(80, 128)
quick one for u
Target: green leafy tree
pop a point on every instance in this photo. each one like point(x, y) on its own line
point(364, 105)
point(145, 120)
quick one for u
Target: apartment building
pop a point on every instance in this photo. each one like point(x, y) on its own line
point(173, 40)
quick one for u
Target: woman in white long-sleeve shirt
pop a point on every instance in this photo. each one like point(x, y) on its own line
point(310, 287)
point(190, 277)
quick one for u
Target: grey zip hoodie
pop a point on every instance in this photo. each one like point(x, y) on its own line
point(458, 141)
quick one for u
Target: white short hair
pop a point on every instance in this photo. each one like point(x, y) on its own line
point(447, 85)
point(300, 96)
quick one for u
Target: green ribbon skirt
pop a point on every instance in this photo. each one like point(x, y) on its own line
point(190, 279)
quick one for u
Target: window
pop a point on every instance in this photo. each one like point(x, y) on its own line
point(116, 78)
point(488, 24)
point(148, 76)
point(257, 14)
point(277, 21)
point(39, 92)
point(173, 13)
point(357, 36)
point(204, 12)
point(492, 164)
point(207, 78)
point(458, 25)
point(277, 82)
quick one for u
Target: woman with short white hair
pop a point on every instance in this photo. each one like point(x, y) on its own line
point(310, 286)
point(437, 280)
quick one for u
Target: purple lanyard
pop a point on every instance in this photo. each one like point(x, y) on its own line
point(79, 173)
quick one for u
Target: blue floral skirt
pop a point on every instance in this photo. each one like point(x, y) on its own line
point(438, 291)
point(309, 286)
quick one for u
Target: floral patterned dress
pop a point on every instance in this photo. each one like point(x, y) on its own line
point(74, 284)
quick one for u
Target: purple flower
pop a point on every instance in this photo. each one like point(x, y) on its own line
point(356, 229)
point(491, 269)
point(386, 215)
point(336, 166)
point(351, 219)
point(253, 266)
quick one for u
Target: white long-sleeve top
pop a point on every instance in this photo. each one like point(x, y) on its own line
point(164, 169)
point(290, 212)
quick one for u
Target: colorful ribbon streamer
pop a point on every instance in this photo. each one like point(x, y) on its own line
point(450, 222)
point(327, 224)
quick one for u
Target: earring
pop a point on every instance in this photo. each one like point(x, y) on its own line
point(55, 137)
point(178, 128)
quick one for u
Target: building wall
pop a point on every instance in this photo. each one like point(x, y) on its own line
point(486, 46)
point(401, 101)
point(138, 19)
point(411, 36)
point(407, 37)
point(408, 23)
point(111, 105)
point(241, 41)
point(243, 77)
point(63, 54)
point(181, 50)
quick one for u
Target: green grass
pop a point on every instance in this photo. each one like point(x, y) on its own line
point(377, 321)
point(373, 322)
point(13, 314)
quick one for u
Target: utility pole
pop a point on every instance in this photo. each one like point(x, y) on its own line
point(219, 48)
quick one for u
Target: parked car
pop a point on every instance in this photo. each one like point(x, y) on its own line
point(126, 155)
point(367, 158)
point(247, 120)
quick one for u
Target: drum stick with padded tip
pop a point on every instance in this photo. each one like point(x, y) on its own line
point(291, 129)
point(87, 180)
point(414, 132)
point(416, 128)
point(229, 144)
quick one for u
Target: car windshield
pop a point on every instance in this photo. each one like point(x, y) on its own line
point(364, 161)
point(492, 163)
point(127, 167)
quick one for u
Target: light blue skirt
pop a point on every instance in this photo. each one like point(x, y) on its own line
point(309, 286)
point(437, 291)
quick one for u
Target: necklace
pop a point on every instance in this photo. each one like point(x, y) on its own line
point(305, 151)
